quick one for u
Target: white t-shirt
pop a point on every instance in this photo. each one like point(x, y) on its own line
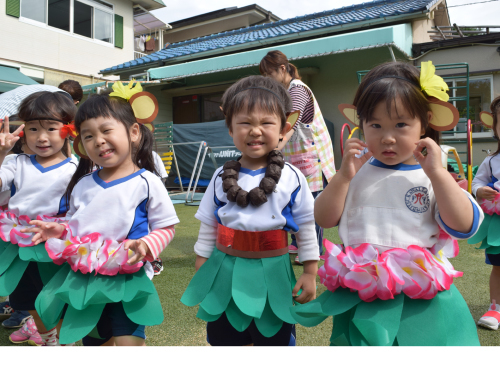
point(129, 207)
point(5, 195)
point(37, 190)
point(160, 167)
point(394, 207)
point(291, 203)
point(288, 207)
point(487, 173)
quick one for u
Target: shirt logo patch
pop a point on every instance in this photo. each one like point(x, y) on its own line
point(417, 199)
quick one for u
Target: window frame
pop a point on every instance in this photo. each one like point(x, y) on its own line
point(110, 10)
point(488, 134)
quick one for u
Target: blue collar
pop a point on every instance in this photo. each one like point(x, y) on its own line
point(399, 166)
point(106, 185)
point(50, 168)
point(252, 172)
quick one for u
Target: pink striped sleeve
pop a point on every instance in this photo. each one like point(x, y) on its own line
point(157, 241)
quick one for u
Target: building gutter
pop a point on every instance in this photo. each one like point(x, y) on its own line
point(265, 42)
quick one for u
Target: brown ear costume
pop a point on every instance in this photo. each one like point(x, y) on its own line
point(293, 117)
point(145, 107)
point(350, 113)
point(78, 147)
point(486, 119)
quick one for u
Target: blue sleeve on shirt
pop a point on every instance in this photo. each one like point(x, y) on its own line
point(472, 232)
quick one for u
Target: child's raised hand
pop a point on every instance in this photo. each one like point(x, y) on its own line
point(431, 163)
point(140, 250)
point(306, 282)
point(350, 163)
point(486, 193)
point(7, 139)
point(43, 231)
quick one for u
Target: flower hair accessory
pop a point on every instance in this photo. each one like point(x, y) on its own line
point(444, 115)
point(432, 84)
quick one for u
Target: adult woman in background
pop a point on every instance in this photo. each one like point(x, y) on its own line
point(308, 145)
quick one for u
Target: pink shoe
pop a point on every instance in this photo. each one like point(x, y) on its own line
point(292, 249)
point(27, 333)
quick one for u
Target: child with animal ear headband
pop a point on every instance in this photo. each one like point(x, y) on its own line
point(119, 214)
point(399, 214)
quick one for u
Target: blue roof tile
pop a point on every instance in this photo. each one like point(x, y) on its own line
point(350, 14)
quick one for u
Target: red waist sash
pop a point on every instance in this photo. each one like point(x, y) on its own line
point(252, 245)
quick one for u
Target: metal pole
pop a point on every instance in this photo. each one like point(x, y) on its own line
point(177, 169)
point(199, 172)
point(202, 143)
point(392, 54)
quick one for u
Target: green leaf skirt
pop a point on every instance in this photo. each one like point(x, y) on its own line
point(244, 289)
point(15, 259)
point(86, 296)
point(488, 234)
point(444, 320)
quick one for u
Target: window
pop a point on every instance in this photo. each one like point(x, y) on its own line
point(103, 26)
point(59, 14)
point(34, 9)
point(82, 19)
point(88, 18)
point(480, 97)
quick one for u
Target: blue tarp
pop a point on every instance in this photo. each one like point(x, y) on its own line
point(215, 134)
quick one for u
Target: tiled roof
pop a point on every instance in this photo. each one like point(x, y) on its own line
point(350, 14)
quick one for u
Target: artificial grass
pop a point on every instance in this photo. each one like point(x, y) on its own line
point(182, 328)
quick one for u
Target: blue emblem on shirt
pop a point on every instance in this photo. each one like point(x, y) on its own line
point(417, 199)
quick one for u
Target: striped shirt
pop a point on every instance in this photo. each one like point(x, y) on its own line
point(157, 241)
point(11, 100)
point(301, 100)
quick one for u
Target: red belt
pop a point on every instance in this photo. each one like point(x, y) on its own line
point(252, 245)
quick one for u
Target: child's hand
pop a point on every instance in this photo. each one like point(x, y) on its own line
point(486, 193)
point(7, 139)
point(43, 231)
point(432, 162)
point(350, 163)
point(140, 249)
point(306, 282)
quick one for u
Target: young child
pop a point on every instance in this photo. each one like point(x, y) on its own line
point(398, 211)
point(486, 188)
point(244, 281)
point(118, 215)
point(37, 184)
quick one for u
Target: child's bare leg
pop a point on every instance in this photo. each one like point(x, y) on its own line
point(129, 341)
point(38, 321)
point(495, 284)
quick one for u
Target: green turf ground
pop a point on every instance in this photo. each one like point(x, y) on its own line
point(182, 328)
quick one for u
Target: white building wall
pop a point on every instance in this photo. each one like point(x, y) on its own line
point(60, 50)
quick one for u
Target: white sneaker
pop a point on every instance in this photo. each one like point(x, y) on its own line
point(491, 318)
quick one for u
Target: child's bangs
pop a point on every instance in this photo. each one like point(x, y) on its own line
point(98, 106)
point(391, 90)
point(254, 99)
point(47, 105)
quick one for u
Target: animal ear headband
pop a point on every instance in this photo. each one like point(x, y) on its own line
point(143, 103)
point(444, 115)
point(486, 119)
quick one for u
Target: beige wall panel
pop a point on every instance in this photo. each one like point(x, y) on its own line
point(45, 47)
point(206, 29)
point(480, 58)
point(420, 28)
